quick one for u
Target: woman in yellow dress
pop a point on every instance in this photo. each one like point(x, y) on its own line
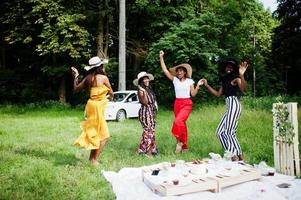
point(95, 131)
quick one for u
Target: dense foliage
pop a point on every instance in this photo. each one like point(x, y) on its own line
point(41, 39)
point(287, 44)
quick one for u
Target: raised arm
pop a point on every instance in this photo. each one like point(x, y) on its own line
point(194, 90)
point(164, 68)
point(77, 85)
point(242, 84)
point(216, 93)
point(240, 81)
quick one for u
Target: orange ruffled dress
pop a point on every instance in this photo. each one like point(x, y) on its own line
point(94, 128)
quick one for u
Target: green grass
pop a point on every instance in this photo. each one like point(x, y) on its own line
point(38, 160)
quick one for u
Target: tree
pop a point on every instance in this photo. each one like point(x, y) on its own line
point(99, 14)
point(193, 41)
point(54, 29)
point(287, 44)
point(248, 36)
point(48, 36)
point(147, 21)
point(207, 37)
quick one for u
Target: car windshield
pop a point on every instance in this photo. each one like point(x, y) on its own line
point(119, 96)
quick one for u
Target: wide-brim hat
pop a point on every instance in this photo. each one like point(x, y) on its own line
point(173, 70)
point(141, 75)
point(96, 62)
point(231, 62)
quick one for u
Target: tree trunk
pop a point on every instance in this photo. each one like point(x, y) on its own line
point(122, 50)
point(100, 42)
point(2, 61)
point(62, 90)
point(103, 34)
point(107, 39)
point(136, 62)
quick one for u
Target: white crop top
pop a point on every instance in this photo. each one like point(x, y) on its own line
point(182, 88)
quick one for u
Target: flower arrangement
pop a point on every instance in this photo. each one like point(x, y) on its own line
point(283, 125)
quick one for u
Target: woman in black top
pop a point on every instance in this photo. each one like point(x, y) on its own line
point(231, 82)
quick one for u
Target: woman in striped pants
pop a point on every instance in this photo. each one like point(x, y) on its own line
point(231, 82)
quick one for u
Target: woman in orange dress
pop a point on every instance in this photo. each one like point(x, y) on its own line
point(95, 131)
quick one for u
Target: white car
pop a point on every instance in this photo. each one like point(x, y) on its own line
point(125, 104)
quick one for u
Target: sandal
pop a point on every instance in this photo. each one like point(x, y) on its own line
point(94, 163)
point(179, 147)
point(149, 156)
point(184, 150)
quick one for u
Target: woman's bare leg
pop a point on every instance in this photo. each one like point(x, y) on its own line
point(92, 157)
point(99, 150)
point(92, 154)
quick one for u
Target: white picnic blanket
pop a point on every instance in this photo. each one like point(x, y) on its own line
point(127, 184)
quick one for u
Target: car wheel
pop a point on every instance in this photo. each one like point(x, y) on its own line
point(121, 115)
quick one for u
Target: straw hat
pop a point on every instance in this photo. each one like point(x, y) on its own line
point(184, 65)
point(141, 75)
point(95, 62)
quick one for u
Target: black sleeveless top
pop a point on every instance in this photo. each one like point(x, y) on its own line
point(229, 89)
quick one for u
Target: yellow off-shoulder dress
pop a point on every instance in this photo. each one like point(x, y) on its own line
point(94, 128)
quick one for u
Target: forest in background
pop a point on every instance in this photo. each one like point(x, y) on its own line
point(42, 39)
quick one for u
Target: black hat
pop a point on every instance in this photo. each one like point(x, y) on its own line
point(231, 62)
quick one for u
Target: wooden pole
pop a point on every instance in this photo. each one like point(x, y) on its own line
point(276, 144)
point(293, 117)
point(122, 46)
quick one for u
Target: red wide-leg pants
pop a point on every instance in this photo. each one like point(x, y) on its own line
point(182, 110)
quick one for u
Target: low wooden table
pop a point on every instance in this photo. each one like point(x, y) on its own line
point(183, 180)
point(241, 177)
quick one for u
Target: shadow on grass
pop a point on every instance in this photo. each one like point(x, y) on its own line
point(56, 157)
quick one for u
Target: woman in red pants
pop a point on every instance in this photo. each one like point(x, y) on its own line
point(184, 89)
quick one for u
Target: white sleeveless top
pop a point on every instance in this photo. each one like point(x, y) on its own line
point(182, 88)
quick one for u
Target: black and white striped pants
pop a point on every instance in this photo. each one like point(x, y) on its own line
point(226, 130)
